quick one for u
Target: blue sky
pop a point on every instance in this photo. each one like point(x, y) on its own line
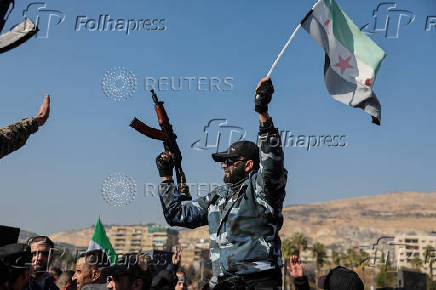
point(54, 182)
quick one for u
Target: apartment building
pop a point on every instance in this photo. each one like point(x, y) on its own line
point(136, 238)
point(196, 257)
point(409, 248)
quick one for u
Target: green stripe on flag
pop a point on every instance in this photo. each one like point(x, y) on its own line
point(349, 35)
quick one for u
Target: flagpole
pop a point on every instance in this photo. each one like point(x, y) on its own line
point(287, 44)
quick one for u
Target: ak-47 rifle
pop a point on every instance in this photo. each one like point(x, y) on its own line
point(166, 134)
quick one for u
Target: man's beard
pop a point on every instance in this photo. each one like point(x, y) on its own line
point(236, 174)
point(38, 269)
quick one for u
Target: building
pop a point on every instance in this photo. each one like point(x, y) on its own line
point(196, 257)
point(412, 250)
point(137, 238)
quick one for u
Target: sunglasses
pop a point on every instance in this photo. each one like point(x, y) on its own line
point(230, 162)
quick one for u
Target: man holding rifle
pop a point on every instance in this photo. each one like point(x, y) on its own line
point(245, 214)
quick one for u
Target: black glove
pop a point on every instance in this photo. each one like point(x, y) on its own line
point(164, 164)
point(263, 96)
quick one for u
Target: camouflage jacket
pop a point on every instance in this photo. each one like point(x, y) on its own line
point(243, 224)
point(14, 136)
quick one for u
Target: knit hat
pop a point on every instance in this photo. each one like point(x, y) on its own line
point(340, 278)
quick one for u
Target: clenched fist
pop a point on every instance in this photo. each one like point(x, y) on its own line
point(264, 91)
point(164, 164)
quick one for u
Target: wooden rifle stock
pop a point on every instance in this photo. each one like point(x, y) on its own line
point(166, 134)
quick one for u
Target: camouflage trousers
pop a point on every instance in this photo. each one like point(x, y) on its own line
point(264, 280)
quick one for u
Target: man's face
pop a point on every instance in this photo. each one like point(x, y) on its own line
point(234, 170)
point(40, 256)
point(84, 274)
point(181, 283)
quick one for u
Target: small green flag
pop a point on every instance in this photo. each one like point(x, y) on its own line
point(99, 240)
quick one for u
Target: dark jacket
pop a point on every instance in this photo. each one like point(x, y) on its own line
point(301, 283)
point(49, 284)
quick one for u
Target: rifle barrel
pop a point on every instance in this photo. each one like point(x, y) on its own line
point(154, 96)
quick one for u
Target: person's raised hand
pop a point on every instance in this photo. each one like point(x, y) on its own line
point(263, 95)
point(177, 256)
point(295, 268)
point(165, 165)
point(44, 111)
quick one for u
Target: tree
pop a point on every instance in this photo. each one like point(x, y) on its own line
point(319, 252)
point(431, 285)
point(353, 258)
point(335, 258)
point(416, 262)
point(287, 248)
point(429, 253)
point(299, 243)
point(385, 277)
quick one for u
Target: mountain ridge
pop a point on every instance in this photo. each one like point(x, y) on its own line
point(340, 224)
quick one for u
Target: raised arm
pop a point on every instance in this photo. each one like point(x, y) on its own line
point(14, 136)
point(190, 214)
point(272, 171)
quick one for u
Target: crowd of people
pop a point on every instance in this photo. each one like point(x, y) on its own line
point(27, 266)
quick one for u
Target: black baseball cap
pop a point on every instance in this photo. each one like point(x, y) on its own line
point(340, 278)
point(245, 149)
point(9, 235)
point(16, 256)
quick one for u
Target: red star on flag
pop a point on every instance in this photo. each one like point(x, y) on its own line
point(343, 64)
point(368, 83)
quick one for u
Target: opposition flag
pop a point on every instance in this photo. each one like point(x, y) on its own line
point(99, 240)
point(352, 59)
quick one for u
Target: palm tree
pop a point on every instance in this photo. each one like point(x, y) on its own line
point(416, 262)
point(299, 243)
point(429, 252)
point(353, 258)
point(319, 252)
point(287, 248)
point(335, 258)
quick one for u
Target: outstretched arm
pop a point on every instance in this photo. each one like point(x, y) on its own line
point(190, 214)
point(14, 136)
